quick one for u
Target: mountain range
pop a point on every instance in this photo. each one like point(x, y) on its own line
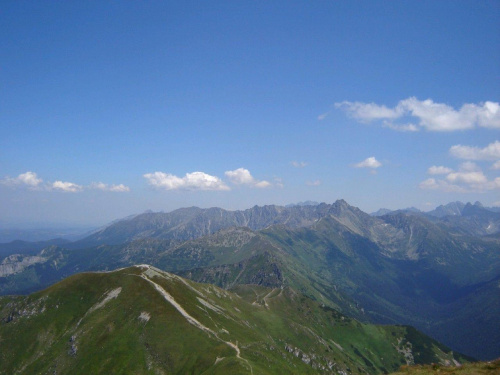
point(438, 271)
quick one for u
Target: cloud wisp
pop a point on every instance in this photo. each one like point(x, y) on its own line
point(313, 183)
point(430, 116)
point(113, 188)
point(323, 116)
point(298, 164)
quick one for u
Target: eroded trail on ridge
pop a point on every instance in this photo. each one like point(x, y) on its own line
point(169, 298)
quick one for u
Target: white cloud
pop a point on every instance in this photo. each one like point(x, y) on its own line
point(430, 183)
point(489, 115)
point(313, 183)
point(191, 181)
point(113, 188)
point(490, 152)
point(262, 184)
point(370, 162)
point(496, 165)
point(29, 179)
point(66, 187)
point(242, 176)
point(431, 116)
point(433, 184)
point(33, 182)
point(118, 188)
point(439, 170)
point(299, 164)
point(496, 204)
point(469, 178)
point(438, 116)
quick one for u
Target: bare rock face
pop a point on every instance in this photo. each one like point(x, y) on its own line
point(16, 263)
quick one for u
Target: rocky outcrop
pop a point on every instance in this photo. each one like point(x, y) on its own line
point(17, 263)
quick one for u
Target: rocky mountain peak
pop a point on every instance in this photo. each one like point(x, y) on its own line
point(341, 205)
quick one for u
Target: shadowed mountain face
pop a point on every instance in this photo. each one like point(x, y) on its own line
point(446, 280)
point(142, 320)
point(403, 267)
point(475, 220)
point(450, 209)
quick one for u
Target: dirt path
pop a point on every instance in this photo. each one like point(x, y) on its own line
point(168, 297)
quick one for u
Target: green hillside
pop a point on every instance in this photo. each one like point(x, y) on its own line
point(145, 321)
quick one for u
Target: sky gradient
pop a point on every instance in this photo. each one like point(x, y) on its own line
point(111, 108)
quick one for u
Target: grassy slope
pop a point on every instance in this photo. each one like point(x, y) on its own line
point(277, 331)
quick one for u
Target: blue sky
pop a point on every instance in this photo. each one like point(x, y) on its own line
point(109, 108)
